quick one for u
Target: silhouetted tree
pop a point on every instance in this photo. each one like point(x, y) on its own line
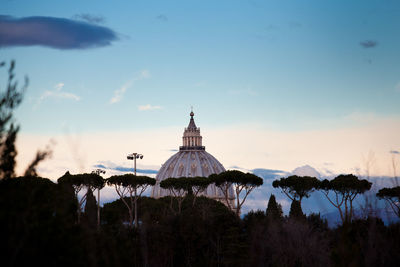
point(179, 188)
point(10, 99)
point(242, 182)
point(295, 211)
point(79, 182)
point(40, 156)
point(392, 196)
point(132, 186)
point(198, 186)
point(297, 187)
point(90, 211)
point(8, 153)
point(345, 188)
point(274, 210)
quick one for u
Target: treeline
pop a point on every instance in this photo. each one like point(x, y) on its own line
point(39, 225)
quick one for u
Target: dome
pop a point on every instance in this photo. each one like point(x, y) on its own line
point(192, 160)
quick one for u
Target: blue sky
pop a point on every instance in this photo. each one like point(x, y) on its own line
point(279, 74)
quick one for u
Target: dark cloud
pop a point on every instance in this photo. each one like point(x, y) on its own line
point(162, 17)
point(125, 169)
point(368, 43)
point(394, 152)
point(53, 32)
point(90, 18)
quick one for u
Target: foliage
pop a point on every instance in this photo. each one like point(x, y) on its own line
point(242, 182)
point(78, 182)
point(392, 196)
point(40, 156)
point(36, 216)
point(346, 188)
point(297, 187)
point(183, 186)
point(37, 222)
point(9, 100)
point(132, 186)
point(198, 186)
point(295, 211)
point(90, 211)
point(274, 210)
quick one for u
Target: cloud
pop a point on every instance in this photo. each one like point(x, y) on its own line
point(306, 170)
point(59, 33)
point(90, 18)
point(394, 152)
point(368, 43)
point(148, 107)
point(162, 17)
point(118, 94)
point(125, 169)
point(57, 93)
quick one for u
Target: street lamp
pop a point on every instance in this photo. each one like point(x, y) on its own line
point(98, 172)
point(134, 156)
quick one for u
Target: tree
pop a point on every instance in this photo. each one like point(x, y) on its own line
point(132, 186)
point(90, 181)
point(242, 182)
point(346, 188)
point(392, 196)
point(297, 187)
point(274, 210)
point(198, 185)
point(296, 211)
point(9, 100)
point(40, 156)
point(179, 188)
point(90, 209)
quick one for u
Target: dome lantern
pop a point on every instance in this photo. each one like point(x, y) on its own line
point(191, 140)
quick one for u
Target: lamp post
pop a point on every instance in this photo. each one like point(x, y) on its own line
point(134, 156)
point(98, 172)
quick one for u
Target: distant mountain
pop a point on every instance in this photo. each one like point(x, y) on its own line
point(306, 170)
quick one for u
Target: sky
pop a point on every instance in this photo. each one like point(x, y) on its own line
point(273, 84)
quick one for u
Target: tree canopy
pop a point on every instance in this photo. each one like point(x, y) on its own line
point(346, 187)
point(78, 182)
point(131, 186)
point(242, 182)
point(297, 187)
point(392, 196)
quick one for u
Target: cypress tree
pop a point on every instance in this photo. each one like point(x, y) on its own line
point(90, 208)
point(295, 210)
point(274, 210)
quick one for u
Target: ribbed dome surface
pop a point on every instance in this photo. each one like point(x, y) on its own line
point(189, 164)
point(192, 160)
